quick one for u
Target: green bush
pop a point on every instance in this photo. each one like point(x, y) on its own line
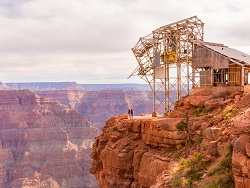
point(181, 126)
point(221, 172)
point(188, 172)
point(200, 138)
point(114, 128)
point(198, 111)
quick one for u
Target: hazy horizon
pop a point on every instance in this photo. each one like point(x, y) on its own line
point(91, 41)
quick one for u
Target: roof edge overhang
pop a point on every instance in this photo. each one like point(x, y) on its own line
point(234, 60)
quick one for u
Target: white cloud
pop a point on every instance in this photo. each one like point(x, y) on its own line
point(91, 40)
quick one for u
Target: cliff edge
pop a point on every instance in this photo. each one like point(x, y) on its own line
point(204, 142)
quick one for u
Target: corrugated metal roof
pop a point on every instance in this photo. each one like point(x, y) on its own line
point(231, 53)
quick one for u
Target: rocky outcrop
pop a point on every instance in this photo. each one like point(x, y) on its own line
point(127, 153)
point(204, 141)
point(98, 106)
point(226, 127)
point(241, 152)
point(43, 143)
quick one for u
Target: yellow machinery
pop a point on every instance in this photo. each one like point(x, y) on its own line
point(168, 56)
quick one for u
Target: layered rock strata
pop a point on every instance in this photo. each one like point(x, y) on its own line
point(241, 153)
point(144, 151)
point(43, 143)
point(127, 153)
point(98, 106)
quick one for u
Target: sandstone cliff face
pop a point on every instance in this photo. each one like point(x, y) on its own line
point(43, 143)
point(145, 151)
point(126, 154)
point(241, 154)
point(98, 106)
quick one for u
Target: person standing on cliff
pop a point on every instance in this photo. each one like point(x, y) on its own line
point(132, 112)
point(129, 112)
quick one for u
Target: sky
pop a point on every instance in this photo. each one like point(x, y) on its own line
point(90, 41)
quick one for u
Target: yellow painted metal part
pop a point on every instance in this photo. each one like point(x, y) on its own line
point(169, 56)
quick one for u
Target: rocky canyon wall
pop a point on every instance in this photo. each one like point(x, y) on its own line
point(241, 155)
point(98, 106)
point(127, 153)
point(43, 143)
point(212, 151)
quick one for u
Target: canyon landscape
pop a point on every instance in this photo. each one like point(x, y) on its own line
point(96, 102)
point(48, 139)
point(43, 143)
point(47, 134)
point(70, 118)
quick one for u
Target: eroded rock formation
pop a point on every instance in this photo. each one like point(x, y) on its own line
point(43, 143)
point(145, 151)
point(241, 154)
point(126, 154)
point(98, 106)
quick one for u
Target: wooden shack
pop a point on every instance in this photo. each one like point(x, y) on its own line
point(218, 65)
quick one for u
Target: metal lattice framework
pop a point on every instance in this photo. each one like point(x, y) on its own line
point(165, 59)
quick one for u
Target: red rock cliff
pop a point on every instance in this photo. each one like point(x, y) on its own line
point(241, 154)
point(126, 154)
point(151, 152)
point(43, 143)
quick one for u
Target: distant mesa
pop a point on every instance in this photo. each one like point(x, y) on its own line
point(44, 86)
point(3, 86)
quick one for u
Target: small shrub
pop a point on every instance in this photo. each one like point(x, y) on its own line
point(221, 171)
point(114, 128)
point(188, 171)
point(228, 109)
point(224, 132)
point(178, 146)
point(229, 113)
point(181, 126)
point(200, 138)
point(168, 154)
point(214, 184)
point(198, 111)
point(129, 171)
point(128, 149)
point(178, 155)
point(208, 116)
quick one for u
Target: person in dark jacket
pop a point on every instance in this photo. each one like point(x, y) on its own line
point(129, 112)
point(132, 112)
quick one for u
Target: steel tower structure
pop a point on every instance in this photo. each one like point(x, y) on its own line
point(165, 61)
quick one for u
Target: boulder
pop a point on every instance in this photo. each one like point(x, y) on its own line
point(241, 150)
point(198, 101)
point(212, 133)
point(213, 103)
point(241, 124)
